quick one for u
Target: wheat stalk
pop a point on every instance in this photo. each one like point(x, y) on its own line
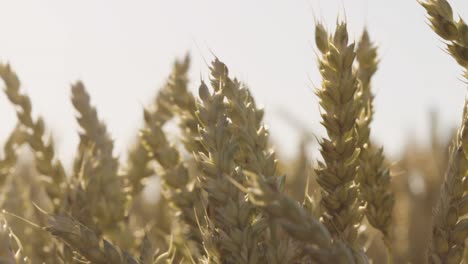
point(44, 153)
point(98, 188)
point(373, 177)
point(253, 153)
point(450, 228)
point(137, 168)
point(232, 230)
point(183, 104)
point(441, 19)
point(138, 163)
point(336, 174)
point(175, 176)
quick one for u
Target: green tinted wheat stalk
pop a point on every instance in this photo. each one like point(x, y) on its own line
point(373, 177)
point(252, 137)
point(232, 232)
point(246, 124)
point(336, 174)
point(214, 162)
point(450, 226)
point(44, 153)
point(95, 167)
point(441, 19)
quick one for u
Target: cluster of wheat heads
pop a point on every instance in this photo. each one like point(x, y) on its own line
point(224, 195)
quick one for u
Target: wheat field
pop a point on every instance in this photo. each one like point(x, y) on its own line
point(226, 195)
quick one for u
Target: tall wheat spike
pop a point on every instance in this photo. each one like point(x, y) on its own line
point(139, 161)
point(455, 33)
point(231, 231)
point(254, 153)
point(175, 176)
point(137, 168)
point(337, 173)
point(450, 227)
point(98, 198)
point(44, 152)
point(373, 177)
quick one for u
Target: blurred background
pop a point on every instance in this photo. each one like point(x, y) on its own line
point(123, 50)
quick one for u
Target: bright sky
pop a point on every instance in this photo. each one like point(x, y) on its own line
point(123, 51)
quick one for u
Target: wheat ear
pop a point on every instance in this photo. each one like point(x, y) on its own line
point(96, 167)
point(184, 106)
point(373, 177)
point(450, 227)
point(173, 91)
point(253, 153)
point(175, 177)
point(441, 19)
point(232, 227)
point(44, 152)
point(336, 174)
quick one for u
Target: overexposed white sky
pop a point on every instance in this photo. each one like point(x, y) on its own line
point(123, 51)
